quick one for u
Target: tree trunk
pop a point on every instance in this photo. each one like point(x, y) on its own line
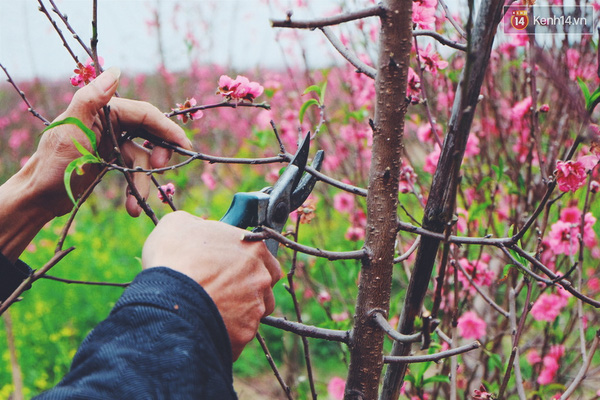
point(441, 202)
point(366, 357)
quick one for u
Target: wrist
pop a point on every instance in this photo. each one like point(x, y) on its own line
point(23, 214)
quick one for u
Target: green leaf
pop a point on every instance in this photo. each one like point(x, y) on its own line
point(91, 135)
point(322, 94)
point(476, 210)
point(495, 361)
point(437, 379)
point(81, 149)
point(594, 100)
point(77, 165)
point(305, 106)
point(584, 90)
point(506, 270)
point(312, 88)
point(485, 180)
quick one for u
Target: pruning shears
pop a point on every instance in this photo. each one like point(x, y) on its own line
point(271, 206)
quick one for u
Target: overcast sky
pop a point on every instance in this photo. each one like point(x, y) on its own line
point(232, 32)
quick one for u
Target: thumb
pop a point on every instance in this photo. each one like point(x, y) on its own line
point(91, 98)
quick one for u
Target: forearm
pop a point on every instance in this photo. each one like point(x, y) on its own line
point(22, 213)
point(163, 339)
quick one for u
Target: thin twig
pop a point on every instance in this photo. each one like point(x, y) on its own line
point(442, 39)
point(132, 188)
point(80, 201)
point(65, 20)
point(583, 370)
point(22, 94)
point(292, 291)
point(450, 18)
point(487, 298)
point(432, 124)
point(166, 198)
point(34, 277)
point(268, 233)
point(373, 11)
point(92, 283)
point(432, 357)
point(43, 9)
point(409, 252)
point(284, 386)
point(361, 67)
point(512, 306)
point(565, 284)
point(516, 338)
point(281, 146)
point(308, 330)
point(223, 104)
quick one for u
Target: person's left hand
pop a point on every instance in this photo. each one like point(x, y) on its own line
point(45, 170)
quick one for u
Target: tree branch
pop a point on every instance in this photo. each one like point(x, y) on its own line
point(33, 277)
point(442, 39)
point(284, 386)
point(348, 55)
point(432, 357)
point(268, 233)
point(43, 9)
point(442, 195)
point(392, 333)
point(308, 330)
point(373, 11)
point(91, 283)
point(22, 94)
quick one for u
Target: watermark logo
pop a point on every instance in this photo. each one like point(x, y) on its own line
point(549, 20)
point(519, 19)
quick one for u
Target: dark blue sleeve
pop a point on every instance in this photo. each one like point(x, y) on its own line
point(164, 339)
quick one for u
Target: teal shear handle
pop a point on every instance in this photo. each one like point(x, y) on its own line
point(246, 209)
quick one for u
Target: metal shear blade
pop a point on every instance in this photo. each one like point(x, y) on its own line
point(272, 206)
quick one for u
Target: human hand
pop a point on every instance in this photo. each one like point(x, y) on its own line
point(56, 150)
point(238, 275)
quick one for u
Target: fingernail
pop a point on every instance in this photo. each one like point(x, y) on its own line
point(108, 79)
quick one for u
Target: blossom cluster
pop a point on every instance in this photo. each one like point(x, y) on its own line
point(84, 73)
point(239, 89)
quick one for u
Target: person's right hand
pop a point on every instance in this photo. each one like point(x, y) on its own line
point(238, 275)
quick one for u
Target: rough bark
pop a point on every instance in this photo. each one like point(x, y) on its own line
point(441, 202)
point(366, 358)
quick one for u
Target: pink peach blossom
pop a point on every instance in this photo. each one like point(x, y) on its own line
point(547, 307)
point(169, 190)
point(336, 387)
point(570, 175)
point(432, 60)
point(355, 233)
point(470, 326)
point(343, 202)
point(323, 297)
point(432, 159)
